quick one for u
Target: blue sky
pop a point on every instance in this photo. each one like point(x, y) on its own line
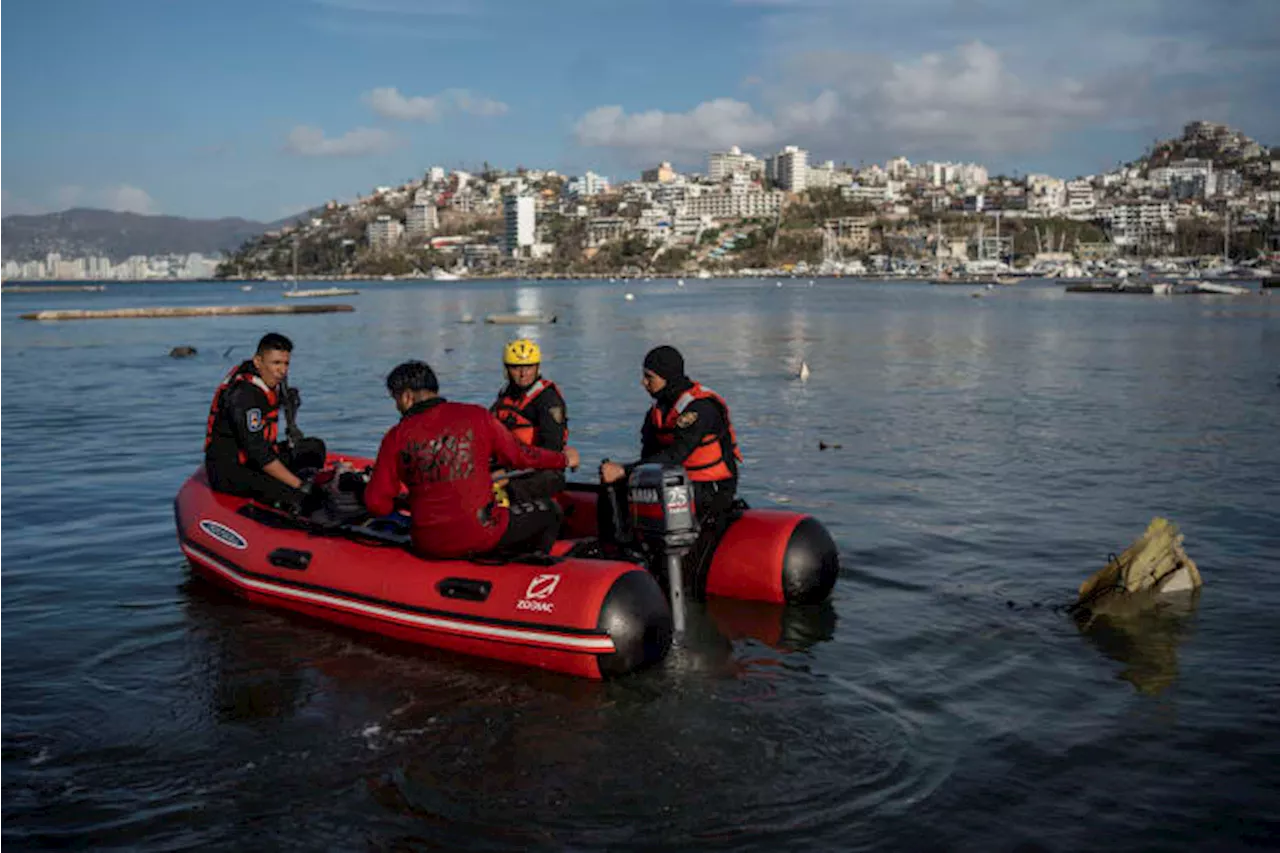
point(261, 109)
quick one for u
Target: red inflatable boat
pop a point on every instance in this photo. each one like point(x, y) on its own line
point(581, 615)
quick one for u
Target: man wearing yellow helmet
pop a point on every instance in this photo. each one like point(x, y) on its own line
point(534, 410)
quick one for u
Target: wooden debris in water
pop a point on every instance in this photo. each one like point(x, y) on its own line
point(184, 311)
point(520, 319)
point(320, 292)
point(1154, 565)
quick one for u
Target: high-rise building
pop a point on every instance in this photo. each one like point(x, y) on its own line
point(384, 231)
point(521, 221)
point(722, 165)
point(421, 220)
point(789, 169)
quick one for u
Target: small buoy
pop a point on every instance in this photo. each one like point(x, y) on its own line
point(990, 286)
point(630, 297)
point(680, 282)
point(811, 282)
point(467, 318)
point(804, 371)
point(778, 283)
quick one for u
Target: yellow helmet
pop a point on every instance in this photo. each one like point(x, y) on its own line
point(521, 353)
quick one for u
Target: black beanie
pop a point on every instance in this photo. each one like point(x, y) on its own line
point(666, 362)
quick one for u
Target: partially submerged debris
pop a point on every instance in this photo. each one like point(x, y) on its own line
point(182, 352)
point(1154, 565)
point(520, 319)
point(1135, 609)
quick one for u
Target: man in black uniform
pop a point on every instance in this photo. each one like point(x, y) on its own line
point(242, 454)
point(533, 409)
point(688, 425)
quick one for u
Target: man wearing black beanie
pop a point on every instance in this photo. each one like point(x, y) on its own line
point(687, 425)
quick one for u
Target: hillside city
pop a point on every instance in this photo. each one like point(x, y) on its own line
point(1209, 197)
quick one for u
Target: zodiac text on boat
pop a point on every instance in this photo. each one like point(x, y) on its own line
point(540, 589)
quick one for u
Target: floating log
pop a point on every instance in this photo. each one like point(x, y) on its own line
point(324, 291)
point(54, 288)
point(184, 311)
point(1153, 565)
point(520, 319)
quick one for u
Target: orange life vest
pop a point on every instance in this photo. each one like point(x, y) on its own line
point(706, 463)
point(511, 411)
point(244, 372)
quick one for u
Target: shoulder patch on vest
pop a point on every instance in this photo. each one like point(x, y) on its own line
point(557, 414)
point(254, 419)
point(686, 419)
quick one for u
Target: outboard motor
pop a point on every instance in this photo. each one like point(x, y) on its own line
point(664, 522)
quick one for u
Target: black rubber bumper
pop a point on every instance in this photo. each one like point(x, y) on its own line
point(635, 614)
point(810, 564)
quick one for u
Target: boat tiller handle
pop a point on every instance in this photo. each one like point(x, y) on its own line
point(289, 558)
point(466, 589)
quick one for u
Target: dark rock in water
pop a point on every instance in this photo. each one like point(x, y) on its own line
point(182, 352)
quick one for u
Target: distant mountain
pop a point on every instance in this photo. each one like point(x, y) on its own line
point(82, 231)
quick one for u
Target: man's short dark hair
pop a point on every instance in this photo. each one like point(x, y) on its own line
point(412, 376)
point(274, 342)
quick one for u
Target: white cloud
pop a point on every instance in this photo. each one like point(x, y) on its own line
point(128, 198)
point(710, 125)
point(964, 100)
point(388, 102)
point(14, 205)
point(476, 105)
point(124, 198)
point(306, 141)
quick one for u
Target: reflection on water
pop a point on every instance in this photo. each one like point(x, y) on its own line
point(1145, 637)
point(988, 447)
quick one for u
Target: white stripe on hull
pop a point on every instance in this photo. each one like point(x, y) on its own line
point(595, 645)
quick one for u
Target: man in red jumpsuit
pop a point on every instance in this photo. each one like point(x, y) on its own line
point(444, 452)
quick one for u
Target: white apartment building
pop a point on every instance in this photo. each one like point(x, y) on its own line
point(1081, 201)
point(827, 176)
point(1188, 169)
point(868, 194)
point(421, 220)
point(734, 205)
point(587, 185)
point(1141, 223)
point(383, 232)
point(521, 221)
point(723, 164)
point(971, 176)
point(852, 231)
point(899, 168)
point(602, 229)
point(789, 169)
point(1046, 195)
